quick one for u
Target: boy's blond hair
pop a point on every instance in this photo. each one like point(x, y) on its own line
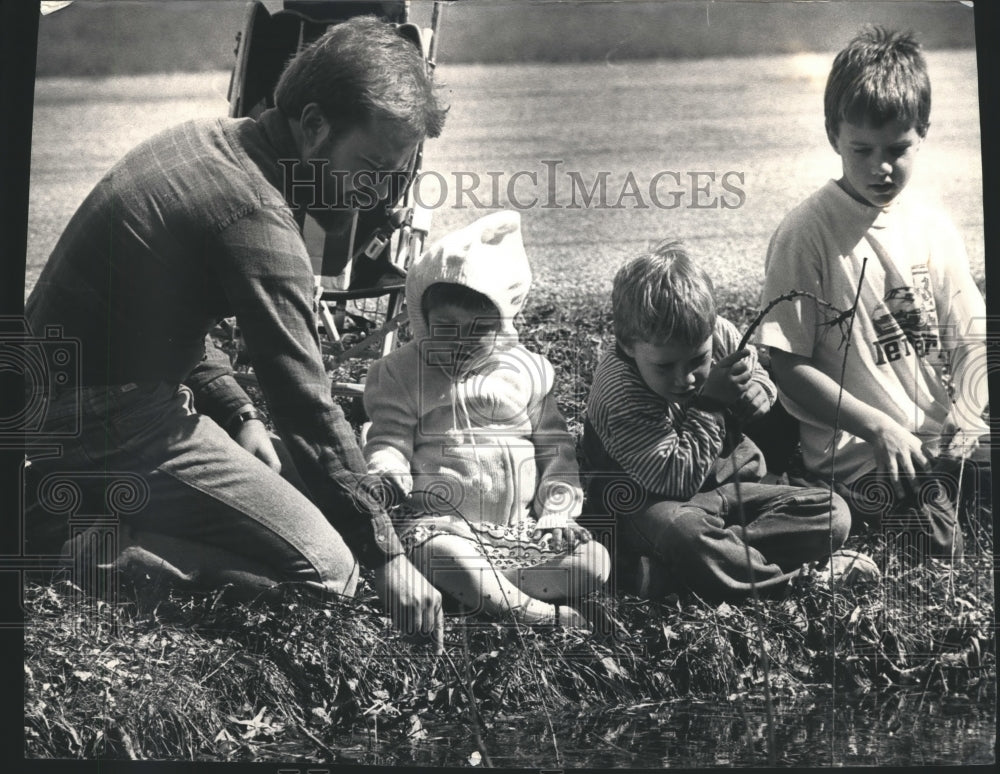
point(880, 76)
point(663, 295)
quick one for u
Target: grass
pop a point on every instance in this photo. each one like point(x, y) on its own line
point(164, 675)
point(192, 678)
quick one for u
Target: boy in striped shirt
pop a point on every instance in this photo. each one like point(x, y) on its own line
point(666, 457)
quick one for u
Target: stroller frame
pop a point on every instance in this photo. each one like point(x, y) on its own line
point(360, 287)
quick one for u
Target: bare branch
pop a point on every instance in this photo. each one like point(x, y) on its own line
point(838, 319)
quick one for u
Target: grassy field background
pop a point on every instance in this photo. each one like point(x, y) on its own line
point(99, 37)
point(754, 120)
point(758, 117)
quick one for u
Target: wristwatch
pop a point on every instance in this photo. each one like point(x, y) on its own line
point(240, 419)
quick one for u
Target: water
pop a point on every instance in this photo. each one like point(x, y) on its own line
point(890, 728)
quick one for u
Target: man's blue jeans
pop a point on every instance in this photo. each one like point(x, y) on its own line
point(190, 502)
point(700, 544)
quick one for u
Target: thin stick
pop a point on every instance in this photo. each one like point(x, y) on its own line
point(325, 748)
point(473, 709)
point(839, 316)
point(435, 25)
point(517, 624)
point(833, 479)
point(958, 505)
point(765, 661)
point(838, 319)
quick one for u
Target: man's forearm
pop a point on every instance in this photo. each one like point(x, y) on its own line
point(216, 392)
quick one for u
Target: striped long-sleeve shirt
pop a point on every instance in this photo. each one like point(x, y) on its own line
point(668, 448)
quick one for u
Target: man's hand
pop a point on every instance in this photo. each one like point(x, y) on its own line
point(411, 601)
point(253, 436)
point(567, 537)
point(728, 378)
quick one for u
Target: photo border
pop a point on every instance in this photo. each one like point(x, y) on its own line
point(18, 43)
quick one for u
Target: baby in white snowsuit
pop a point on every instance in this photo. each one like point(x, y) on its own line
point(465, 425)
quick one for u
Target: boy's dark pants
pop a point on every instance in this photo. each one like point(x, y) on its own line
point(700, 543)
point(923, 522)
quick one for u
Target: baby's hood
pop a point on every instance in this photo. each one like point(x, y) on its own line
point(487, 256)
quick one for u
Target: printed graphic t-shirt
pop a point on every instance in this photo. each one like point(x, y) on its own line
point(917, 303)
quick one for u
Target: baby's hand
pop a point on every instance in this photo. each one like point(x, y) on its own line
point(400, 486)
point(567, 537)
point(394, 471)
point(728, 378)
point(403, 482)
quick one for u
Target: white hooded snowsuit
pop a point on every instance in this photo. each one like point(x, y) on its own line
point(489, 453)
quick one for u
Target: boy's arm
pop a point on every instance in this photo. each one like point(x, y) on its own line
point(897, 450)
point(793, 264)
point(668, 452)
point(758, 391)
point(964, 425)
point(962, 320)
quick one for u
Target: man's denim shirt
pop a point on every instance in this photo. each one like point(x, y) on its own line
point(189, 227)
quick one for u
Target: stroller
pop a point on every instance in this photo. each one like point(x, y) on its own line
point(360, 276)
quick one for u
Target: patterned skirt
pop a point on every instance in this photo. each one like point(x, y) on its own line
point(506, 547)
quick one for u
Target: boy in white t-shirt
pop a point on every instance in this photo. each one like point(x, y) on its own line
point(893, 416)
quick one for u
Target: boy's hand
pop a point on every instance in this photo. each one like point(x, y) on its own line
point(400, 484)
point(567, 537)
point(899, 453)
point(728, 378)
point(754, 403)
